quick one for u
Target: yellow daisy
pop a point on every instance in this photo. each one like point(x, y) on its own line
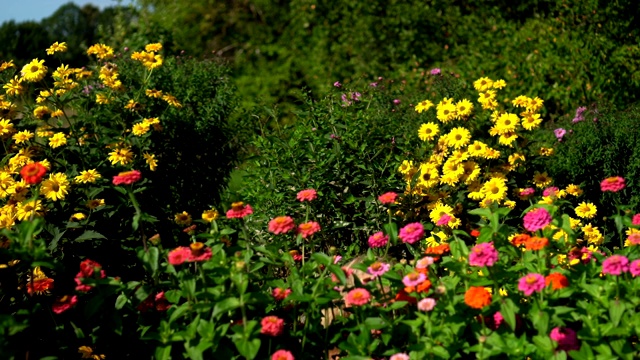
point(586, 210)
point(56, 187)
point(428, 131)
point(34, 71)
point(423, 106)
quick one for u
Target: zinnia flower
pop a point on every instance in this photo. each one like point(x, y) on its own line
point(426, 304)
point(536, 243)
point(537, 219)
point(280, 293)
point(559, 132)
point(307, 195)
point(378, 240)
point(309, 228)
point(357, 297)
point(64, 303)
point(179, 255)
point(239, 210)
point(634, 268)
point(281, 225)
point(556, 280)
point(388, 198)
point(272, 326)
point(483, 254)
point(282, 355)
point(531, 283)
point(615, 265)
point(399, 356)
point(477, 297)
point(411, 233)
point(378, 269)
point(33, 173)
point(566, 338)
point(414, 279)
point(127, 177)
point(444, 220)
point(198, 252)
point(613, 184)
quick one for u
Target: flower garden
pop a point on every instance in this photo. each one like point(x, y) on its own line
point(460, 245)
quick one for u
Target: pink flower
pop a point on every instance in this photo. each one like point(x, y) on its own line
point(537, 219)
point(550, 191)
point(527, 192)
point(239, 210)
point(531, 283)
point(559, 132)
point(634, 238)
point(426, 304)
point(425, 262)
point(497, 319)
point(161, 302)
point(127, 177)
point(309, 228)
point(388, 198)
point(272, 326)
point(378, 240)
point(179, 255)
point(357, 297)
point(613, 184)
point(636, 219)
point(336, 259)
point(281, 225)
point(399, 356)
point(378, 269)
point(411, 233)
point(282, 355)
point(88, 270)
point(566, 338)
point(280, 293)
point(634, 268)
point(414, 279)
point(307, 195)
point(615, 265)
point(197, 252)
point(64, 303)
point(483, 254)
point(444, 220)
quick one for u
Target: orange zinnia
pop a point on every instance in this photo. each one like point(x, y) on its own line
point(477, 297)
point(536, 243)
point(557, 281)
point(423, 287)
point(520, 239)
point(437, 250)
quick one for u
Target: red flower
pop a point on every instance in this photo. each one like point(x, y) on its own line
point(39, 286)
point(33, 173)
point(127, 177)
point(198, 252)
point(475, 232)
point(64, 303)
point(161, 302)
point(557, 281)
point(388, 198)
point(88, 269)
point(272, 326)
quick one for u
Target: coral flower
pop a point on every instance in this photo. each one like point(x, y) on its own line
point(280, 293)
point(527, 192)
point(483, 254)
point(378, 269)
point(615, 265)
point(272, 326)
point(127, 177)
point(357, 297)
point(411, 233)
point(307, 195)
point(64, 303)
point(309, 228)
point(634, 268)
point(426, 304)
point(537, 219)
point(179, 255)
point(198, 252)
point(477, 297)
point(613, 184)
point(39, 286)
point(281, 225)
point(536, 243)
point(566, 339)
point(557, 281)
point(399, 356)
point(33, 173)
point(88, 269)
point(531, 283)
point(239, 210)
point(550, 191)
point(424, 263)
point(378, 240)
point(388, 198)
point(282, 355)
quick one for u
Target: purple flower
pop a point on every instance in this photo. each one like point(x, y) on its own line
point(436, 71)
point(396, 102)
point(356, 96)
point(566, 338)
point(559, 132)
point(579, 114)
point(374, 84)
point(345, 100)
point(337, 84)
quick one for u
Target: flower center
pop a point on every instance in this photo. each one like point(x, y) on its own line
point(237, 206)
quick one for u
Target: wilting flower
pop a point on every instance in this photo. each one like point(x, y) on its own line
point(566, 338)
point(64, 303)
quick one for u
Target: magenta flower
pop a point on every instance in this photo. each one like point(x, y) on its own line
point(615, 265)
point(436, 71)
point(531, 283)
point(483, 254)
point(414, 279)
point(634, 268)
point(378, 269)
point(527, 192)
point(579, 114)
point(537, 219)
point(378, 240)
point(566, 339)
point(444, 220)
point(613, 184)
point(426, 304)
point(337, 84)
point(411, 233)
point(550, 191)
point(635, 220)
point(559, 132)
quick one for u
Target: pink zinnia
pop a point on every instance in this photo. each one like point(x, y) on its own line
point(636, 219)
point(537, 219)
point(282, 355)
point(127, 177)
point(424, 262)
point(64, 303)
point(566, 338)
point(378, 239)
point(483, 254)
point(615, 265)
point(414, 279)
point(272, 326)
point(357, 297)
point(161, 302)
point(197, 252)
point(281, 225)
point(411, 233)
point(550, 191)
point(444, 220)
point(399, 356)
point(239, 210)
point(634, 268)
point(307, 195)
point(309, 228)
point(388, 198)
point(280, 293)
point(426, 304)
point(527, 192)
point(613, 184)
point(179, 255)
point(634, 239)
point(378, 269)
point(531, 283)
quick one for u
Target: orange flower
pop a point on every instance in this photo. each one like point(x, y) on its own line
point(557, 281)
point(477, 297)
point(423, 287)
point(437, 250)
point(536, 243)
point(520, 239)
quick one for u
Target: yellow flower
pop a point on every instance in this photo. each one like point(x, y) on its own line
point(499, 84)
point(41, 111)
point(183, 218)
point(102, 99)
point(140, 129)
point(446, 112)
point(57, 140)
point(541, 180)
point(151, 161)
point(574, 190)
point(171, 100)
point(88, 176)
point(78, 217)
point(477, 148)
point(153, 62)
point(153, 93)
point(7, 64)
point(428, 131)
point(14, 86)
point(155, 47)
point(6, 127)
point(210, 215)
point(133, 105)
point(458, 137)
point(34, 71)
point(507, 123)
point(424, 106)
point(515, 158)
point(85, 351)
point(464, 108)
point(102, 51)
point(530, 121)
point(546, 151)
point(534, 104)
point(574, 223)
point(26, 209)
point(521, 101)
point(94, 203)
point(56, 187)
point(586, 210)
point(510, 204)
point(495, 189)
point(439, 211)
point(471, 171)
point(483, 84)
point(121, 155)
point(507, 139)
point(406, 167)
point(57, 47)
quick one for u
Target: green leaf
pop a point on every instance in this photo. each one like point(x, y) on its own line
point(391, 229)
point(225, 305)
point(616, 310)
point(89, 235)
point(121, 300)
point(163, 352)
point(322, 258)
point(247, 347)
point(179, 311)
point(509, 310)
point(172, 296)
